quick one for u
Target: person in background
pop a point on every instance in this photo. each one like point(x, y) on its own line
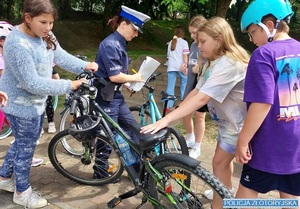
point(193, 140)
point(268, 145)
point(5, 29)
point(29, 51)
point(178, 50)
point(113, 63)
point(221, 87)
point(50, 109)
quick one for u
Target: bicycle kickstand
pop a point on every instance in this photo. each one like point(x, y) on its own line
point(117, 200)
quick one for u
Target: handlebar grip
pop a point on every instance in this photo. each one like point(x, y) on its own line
point(73, 106)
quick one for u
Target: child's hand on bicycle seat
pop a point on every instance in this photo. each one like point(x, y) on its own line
point(76, 84)
point(155, 127)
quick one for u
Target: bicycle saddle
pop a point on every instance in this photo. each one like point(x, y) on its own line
point(149, 140)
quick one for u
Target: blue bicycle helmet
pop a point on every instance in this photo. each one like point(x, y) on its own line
point(281, 9)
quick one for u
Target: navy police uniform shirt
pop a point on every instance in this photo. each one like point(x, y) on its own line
point(112, 57)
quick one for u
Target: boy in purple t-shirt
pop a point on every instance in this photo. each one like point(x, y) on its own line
point(269, 144)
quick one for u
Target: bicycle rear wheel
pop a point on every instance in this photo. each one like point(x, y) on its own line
point(176, 142)
point(82, 168)
point(186, 185)
point(142, 117)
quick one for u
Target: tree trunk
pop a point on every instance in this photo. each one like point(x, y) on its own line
point(222, 7)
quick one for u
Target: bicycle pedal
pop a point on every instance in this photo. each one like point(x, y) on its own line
point(114, 202)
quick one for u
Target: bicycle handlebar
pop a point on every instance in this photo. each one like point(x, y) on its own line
point(152, 78)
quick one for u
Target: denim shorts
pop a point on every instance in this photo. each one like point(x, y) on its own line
point(264, 182)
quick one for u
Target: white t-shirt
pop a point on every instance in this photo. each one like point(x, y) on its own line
point(175, 57)
point(223, 81)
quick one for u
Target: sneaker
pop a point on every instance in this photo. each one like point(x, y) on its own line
point(195, 152)
point(51, 128)
point(30, 199)
point(190, 143)
point(209, 194)
point(190, 140)
point(7, 185)
point(36, 162)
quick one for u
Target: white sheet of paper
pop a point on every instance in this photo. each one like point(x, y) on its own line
point(148, 66)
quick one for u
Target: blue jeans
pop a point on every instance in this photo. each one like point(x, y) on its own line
point(172, 76)
point(19, 155)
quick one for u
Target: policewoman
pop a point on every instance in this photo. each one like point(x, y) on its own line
point(113, 63)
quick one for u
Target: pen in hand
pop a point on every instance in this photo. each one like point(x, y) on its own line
point(133, 70)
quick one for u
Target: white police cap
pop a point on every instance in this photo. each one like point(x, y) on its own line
point(136, 18)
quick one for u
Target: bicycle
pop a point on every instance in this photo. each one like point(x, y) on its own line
point(6, 130)
point(176, 142)
point(167, 180)
point(150, 113)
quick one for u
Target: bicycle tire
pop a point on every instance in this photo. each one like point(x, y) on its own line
point(135, 110)
point(197, 179)
point(6, 130)
point(64, 123)
point(74, 168)
point(175, 142)
point(174, 137)
point(67, 118)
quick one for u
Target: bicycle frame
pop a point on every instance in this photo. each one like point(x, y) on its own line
point(151, 104)
point(154, 111)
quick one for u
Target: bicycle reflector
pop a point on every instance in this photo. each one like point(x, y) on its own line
point(168, 187)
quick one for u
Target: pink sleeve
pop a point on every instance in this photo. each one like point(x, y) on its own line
point(1, 62)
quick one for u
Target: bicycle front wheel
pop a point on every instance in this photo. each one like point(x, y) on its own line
point(184, 186)
point(65, 121)
point(97, 165)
